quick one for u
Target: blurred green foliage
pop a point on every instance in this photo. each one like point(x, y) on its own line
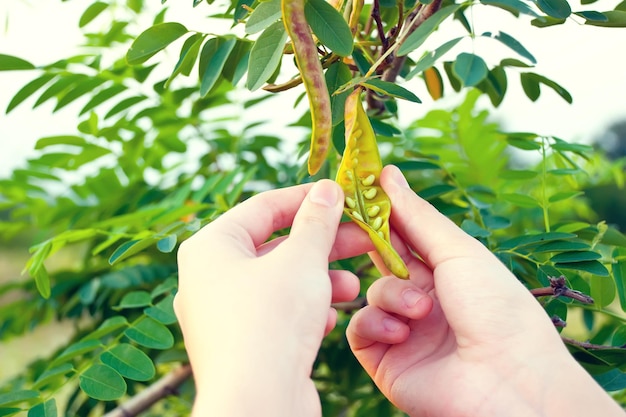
point(155, 157)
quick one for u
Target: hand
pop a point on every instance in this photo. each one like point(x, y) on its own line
point(253, 313)
point(462, 337)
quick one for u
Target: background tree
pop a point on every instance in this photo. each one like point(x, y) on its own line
point(155, 157)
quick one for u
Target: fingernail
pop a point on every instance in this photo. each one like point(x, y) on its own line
point(391, 325)
point(411, 297)
point(399, 178)
point(324, 193)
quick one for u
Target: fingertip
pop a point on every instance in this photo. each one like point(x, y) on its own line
point(395, 176)
point(326, 193)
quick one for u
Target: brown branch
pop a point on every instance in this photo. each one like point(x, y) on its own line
point(391, 73)
point(162, 388)
point(587, 345)
point(350, 306)
point(558, 288)
point(379, 25)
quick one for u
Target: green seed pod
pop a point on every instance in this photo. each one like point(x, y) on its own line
point(359, 179)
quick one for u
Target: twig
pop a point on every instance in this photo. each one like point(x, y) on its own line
point(416, 19)
point(165, 386)
point(587, 345)
point(558, 288)
point(350, 306)
point(379, 25)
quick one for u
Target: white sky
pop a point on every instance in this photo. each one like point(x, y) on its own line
point(590, 62)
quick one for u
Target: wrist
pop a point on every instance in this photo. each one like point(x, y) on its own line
point(549, 386)
point(251, 382)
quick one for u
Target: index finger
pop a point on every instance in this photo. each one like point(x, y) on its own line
point(252, 222)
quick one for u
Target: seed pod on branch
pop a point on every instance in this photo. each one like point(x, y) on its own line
point(308, 62)
point(358, 175)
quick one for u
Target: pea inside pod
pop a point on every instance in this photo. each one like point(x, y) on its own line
point(359, 172)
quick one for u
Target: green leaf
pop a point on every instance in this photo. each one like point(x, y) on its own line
point(163, 311)
point(76, 349)
point(430, 58)
point(130, 248)
point(593, 267)
point(130, 362)
point(416, 165)
point(18, 397)
point(13, 63)
point(390, 89)
point(9, 411)
point(602, 290)
point(470, 69)
point(576, 256)
point(547, 21)
point(561, 246)
point(578, 148)
point(619, 275)
point(514, 6)
point(613, 380)
point(123, 105)
point(512, 43)
point(102, 96)
point(151, 334)
point(559, 9)
point(153, 40)
point(135, 299)
point(337, 75)
point(264, 14)
point(45, 409)
point(60, 140)
point(474, 229)
point(521, 200)
point(530, 85)
point(91, 13)
point(417, 38)
point(533, 81)
point(593, 16)
point(518, 174)
point(614, 19)
point(329, 26)
point(524, 141)
point(565, 195)
point(102, 383)
point(213, 58)
point(187, 58)
point(265, 55)
point(42, 281)
point(51, 374)
point(167, 243)
point(436, 191)
point(108, 326)
point(535, 239)
point(168, 285)
point(241, 10)
point(28, 90)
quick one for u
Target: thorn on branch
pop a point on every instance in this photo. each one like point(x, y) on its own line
point(558, 288)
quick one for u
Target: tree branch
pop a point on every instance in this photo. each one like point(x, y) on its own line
point(162, 388)
point(558, 288)
point(416, 18)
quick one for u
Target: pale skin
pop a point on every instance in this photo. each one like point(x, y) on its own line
point(462, 337)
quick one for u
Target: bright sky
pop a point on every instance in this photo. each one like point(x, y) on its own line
point(588, 61)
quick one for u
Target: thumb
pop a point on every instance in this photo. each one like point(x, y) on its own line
point(315, 225)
